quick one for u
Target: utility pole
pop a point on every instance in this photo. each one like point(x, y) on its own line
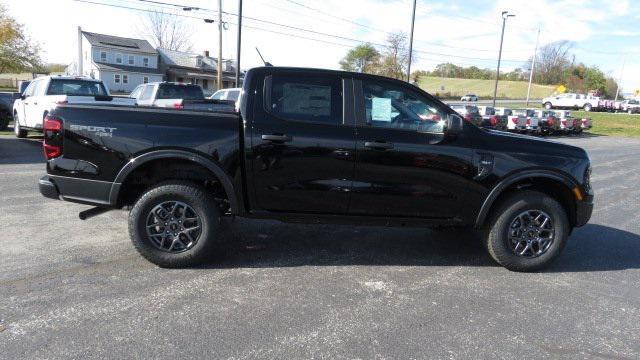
point(624, 60)
point(239, 43)
point(533, 65)
point(505, 15)
point(220, 44)
point(413, 21)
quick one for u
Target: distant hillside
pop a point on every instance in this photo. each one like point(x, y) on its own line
point(483, 88)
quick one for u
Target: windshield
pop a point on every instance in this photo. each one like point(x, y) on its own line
point(76, 87)
point(176, 91)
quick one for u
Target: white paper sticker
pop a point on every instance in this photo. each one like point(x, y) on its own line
point(381, 109)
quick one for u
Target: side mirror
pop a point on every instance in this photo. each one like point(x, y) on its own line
point(23, 96)
point(454, 124)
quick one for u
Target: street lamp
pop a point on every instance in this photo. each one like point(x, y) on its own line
point(505, 16)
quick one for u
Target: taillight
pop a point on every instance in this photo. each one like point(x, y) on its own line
point(52, 143)
point(551, 121)
point(493, 121)
point(514, 120)
point(178, 106)
point(528, 121)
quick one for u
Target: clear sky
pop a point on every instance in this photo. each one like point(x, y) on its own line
point(462, 32)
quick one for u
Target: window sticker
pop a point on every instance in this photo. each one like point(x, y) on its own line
point(381, 109)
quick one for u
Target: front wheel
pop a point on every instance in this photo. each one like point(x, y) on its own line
point(548, 106)
point(175, 224)
point(527, 231)
point(587, 107)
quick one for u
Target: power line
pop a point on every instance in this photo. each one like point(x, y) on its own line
point(432, 53)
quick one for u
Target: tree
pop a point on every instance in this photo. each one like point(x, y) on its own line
point(363, 58)
point(167, 31)
point(17, 52)
point(396, 56)
point(552, 62)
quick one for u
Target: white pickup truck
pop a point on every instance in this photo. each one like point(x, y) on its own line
point(571, 101)
point(45, 93)
point(177, 96)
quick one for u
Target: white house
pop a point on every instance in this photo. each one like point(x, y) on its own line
point(199, 69)
point(121, 63)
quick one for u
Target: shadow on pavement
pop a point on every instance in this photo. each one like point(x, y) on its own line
point(272, 244)
point(21, 151)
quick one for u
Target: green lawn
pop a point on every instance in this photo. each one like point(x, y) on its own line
point(483, 88)
point(611, 124)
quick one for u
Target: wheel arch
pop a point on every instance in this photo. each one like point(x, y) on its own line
point(169, 154)
point(557, 185)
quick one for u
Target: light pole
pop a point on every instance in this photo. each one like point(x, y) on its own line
point(239, 43)
point(533, 65)
point(220, 44)
point(413, 21)
point(505, 16)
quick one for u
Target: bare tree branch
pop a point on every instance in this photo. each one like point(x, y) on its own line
point(167, 31)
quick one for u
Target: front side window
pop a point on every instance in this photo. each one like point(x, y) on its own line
point(305, 99)
point(147, 93)
point(391, 106)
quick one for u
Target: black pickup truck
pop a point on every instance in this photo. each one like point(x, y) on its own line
point(316, 146)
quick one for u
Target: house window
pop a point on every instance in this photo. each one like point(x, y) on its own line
point(125, 79)
point(145, 62)
point(145, 80)
point(103, 56)
point(116, 78)
point(131, 60)
point(119, 58)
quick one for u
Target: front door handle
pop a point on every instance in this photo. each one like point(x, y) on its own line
point(274, 137)
point(380, 145)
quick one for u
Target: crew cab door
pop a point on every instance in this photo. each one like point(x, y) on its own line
point(34, 105)
point(302, 143)
point(405, 165)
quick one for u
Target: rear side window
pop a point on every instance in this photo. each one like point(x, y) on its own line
point(72, 87)
point(304, 99)
point(176, 91)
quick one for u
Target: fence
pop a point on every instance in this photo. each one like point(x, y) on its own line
point(11, 83)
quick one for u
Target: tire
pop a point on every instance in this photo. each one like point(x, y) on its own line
point(17, 129)
point(508, 213)
point(548, 106)
point(587, 107)
point(630, 111)
point(194, 246)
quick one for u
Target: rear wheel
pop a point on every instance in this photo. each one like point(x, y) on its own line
point(17, 129)
point(175, 224)
point(527, 231)
point(548, 106)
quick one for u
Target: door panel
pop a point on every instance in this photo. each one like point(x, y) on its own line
point(420, 173)
point(303, 145)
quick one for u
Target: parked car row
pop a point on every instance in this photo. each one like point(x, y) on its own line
point(44, 94)
point(590, 103)
point(530, 121)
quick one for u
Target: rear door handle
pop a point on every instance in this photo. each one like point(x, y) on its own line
point(273, 137)
point(381, 145)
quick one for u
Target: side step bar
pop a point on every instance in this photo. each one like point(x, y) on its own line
point(84, 215)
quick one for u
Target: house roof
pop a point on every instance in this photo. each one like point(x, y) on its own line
point(119, 42)
point(127, 68)
point(189, 61)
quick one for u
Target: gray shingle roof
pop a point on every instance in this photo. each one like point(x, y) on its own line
point(180, 59)
point(127, 68)
point(119, 42)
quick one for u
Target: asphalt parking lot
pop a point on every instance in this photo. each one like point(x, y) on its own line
point(78, 289)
